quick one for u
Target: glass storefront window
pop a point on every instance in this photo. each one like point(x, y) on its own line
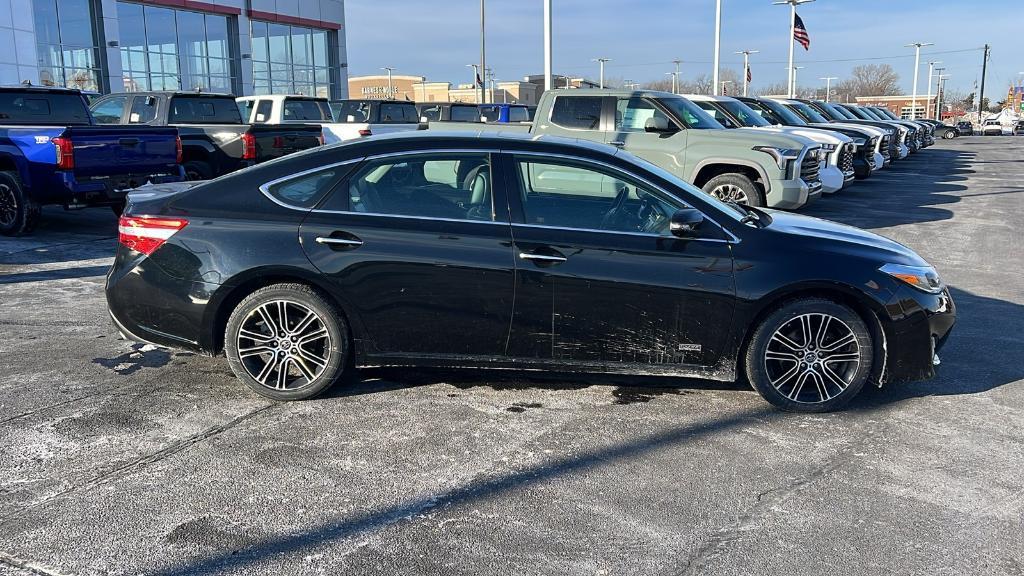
point(290, 60)
point(168, 49)
point(66, 44)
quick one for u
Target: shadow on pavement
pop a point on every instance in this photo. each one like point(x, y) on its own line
point(59, 274)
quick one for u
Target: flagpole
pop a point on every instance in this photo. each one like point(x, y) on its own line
point(792, 33)
point(746, 67)
point(483, 57)
point(718, 45)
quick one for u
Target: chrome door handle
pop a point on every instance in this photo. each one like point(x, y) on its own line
point(541, 257)
point(338, 241)
point(618, 143)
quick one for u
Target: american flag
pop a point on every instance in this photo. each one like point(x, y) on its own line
point(750, 77)
point(800, 33)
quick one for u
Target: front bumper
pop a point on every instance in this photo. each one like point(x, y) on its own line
point(917, 327)
point(792, 194)
point(832, 179)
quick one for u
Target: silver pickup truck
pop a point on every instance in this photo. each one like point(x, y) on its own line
point(747, 166)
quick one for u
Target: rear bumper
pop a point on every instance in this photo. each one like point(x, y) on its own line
point(918, 326)
point(112, 189)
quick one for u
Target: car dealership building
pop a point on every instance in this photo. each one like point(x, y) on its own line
point(238, 46)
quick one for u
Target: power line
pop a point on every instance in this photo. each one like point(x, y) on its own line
point(893, 57)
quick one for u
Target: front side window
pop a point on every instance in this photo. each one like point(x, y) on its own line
point(631, 114)
point(577, 112)
point(453, 186)
point(143, 110)
point(431, 113)
point(263, 110)
point(465, 114)
point(691, 114)
point(296, 110)
point(398, 113)
point(571, 195)
point(66, 44)
point(518, 114)
point(109, 111)
point(351, 111)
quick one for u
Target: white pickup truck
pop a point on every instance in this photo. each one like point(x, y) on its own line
point(341, 121)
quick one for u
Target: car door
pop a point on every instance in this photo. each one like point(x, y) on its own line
point(419, 247)
point(600, 281)
point(665, 149)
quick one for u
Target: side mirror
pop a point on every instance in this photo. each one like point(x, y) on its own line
point(685, 222)
point(656, 124)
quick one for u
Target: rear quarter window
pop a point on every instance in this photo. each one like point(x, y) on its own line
point(578, 112)
point(306, 190)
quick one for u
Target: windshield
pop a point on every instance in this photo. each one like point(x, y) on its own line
point(691, 115)
point(857, 113)
point(808, 112)
point(789, 117)
point(832, 111)
point(876, 114)
point(744, 114)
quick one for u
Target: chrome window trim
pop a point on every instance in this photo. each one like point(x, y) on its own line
point(265, 187)
point(409, 217)
point(617, 232)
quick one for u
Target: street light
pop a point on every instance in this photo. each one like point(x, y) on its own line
point(939, 73)
point(746, 66)
point(675, 81)
point(828, 85)
point(938, 97)
point(724, 82)
point(792, 90)
point(548, 80)
point(718, 46)
point(928, 102)
point(391, 89)
point(476, 78)
point(792, 31)
point(483, 56)
point(917, 68)
point(600, 62)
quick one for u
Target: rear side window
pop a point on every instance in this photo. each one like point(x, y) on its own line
point(398, 113)
point(351, 111)
point(518, 114)
point(306, 111)
point(42, 108)
point(203, 110)
point(465, 114)
point(579, 112)
point(306, 190)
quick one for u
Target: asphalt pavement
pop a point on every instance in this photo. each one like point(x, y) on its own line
point(120, 459)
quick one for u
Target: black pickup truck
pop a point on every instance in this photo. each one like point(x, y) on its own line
point(214, 139)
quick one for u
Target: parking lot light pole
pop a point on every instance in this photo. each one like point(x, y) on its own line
point(724, 82)
point(940, 90)
point(391, 87)
point(792, 30)
point(476, 76)
point(917, 68)
point(675, 81)
point(600, 62)
point(792, 90)
point(548, 80)
point(483, 57)
point(828, 85)
point(938, 72)
point(746, 67)
point(718, 46)
point(928, 102)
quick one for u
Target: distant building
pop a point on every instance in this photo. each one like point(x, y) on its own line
point(902, 106)
point(1015, 99)
point(417, 89)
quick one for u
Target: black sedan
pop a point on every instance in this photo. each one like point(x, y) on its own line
point(463, 250)
point(965, 128)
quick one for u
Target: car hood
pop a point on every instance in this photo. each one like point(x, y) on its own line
point(813, 134)
point(871, 131)
point(832, 236)
point(750, 137)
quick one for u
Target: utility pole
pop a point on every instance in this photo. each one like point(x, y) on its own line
point(828, 85)
point(483, 56)
point(391, 87)
point(917, 68)
point(928, 103)
point(938, 72)
point(746, 67)
point(718, 45)
point(423, 88)
point(792, 31)
point(941, 90)
point(600, 62)
point(675, 81)
point(548, 81)
point(981, 95)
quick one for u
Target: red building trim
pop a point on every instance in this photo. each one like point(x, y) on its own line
point(293, 20)
point(196, 5)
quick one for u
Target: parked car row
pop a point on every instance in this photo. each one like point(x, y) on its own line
point(779, 153)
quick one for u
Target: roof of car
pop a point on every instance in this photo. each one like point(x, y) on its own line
point(479, 138)
point(707, 98)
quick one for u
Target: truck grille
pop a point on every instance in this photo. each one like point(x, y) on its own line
point(810, 168)
point(869, 152)
point(885, 148)
point(846, 159)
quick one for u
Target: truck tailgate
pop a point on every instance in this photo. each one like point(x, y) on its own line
point(104, 151)
point(276, 140)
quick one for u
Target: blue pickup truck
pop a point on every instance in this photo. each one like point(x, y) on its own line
point(52, 152)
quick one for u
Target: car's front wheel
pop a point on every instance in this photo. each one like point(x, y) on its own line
point(287, 342)
point(810, 355)
point(949, 135)
point(736, 188)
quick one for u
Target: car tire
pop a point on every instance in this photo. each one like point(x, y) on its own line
point(949, 135)
point(735, 188)
point(19, 214)
point(820, 373)
point(197, 170)
point(287, 342)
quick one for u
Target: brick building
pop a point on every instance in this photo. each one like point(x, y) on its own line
point(902, 106)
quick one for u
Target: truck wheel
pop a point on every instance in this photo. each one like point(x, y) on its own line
point(287, 342)
point(19, 214)
point(949, 135)
point(810, 355)
point(735, 188)
point(197, 170)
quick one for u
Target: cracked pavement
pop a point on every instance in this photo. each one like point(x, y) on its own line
point(122, 459)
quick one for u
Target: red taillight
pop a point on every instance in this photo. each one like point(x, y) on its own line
point(177, 150)
point(365, 132)
point(147, 233)
point(65, 153)
point(248, 147)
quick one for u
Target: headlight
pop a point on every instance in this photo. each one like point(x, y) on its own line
point(829, 148)
point(782, 156)
point(924, 278)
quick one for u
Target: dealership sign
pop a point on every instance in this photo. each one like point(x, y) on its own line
point(379, 91)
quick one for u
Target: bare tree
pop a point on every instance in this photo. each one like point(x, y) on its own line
point(662, 84)
point(870, 80)
point(776, 89)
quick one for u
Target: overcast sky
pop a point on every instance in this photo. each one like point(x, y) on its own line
point(438, 38)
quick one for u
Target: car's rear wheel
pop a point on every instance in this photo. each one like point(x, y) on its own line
point(287, 342)
point(736, 188)
point(949, 135)
point(810, 355)
point(19, 214)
